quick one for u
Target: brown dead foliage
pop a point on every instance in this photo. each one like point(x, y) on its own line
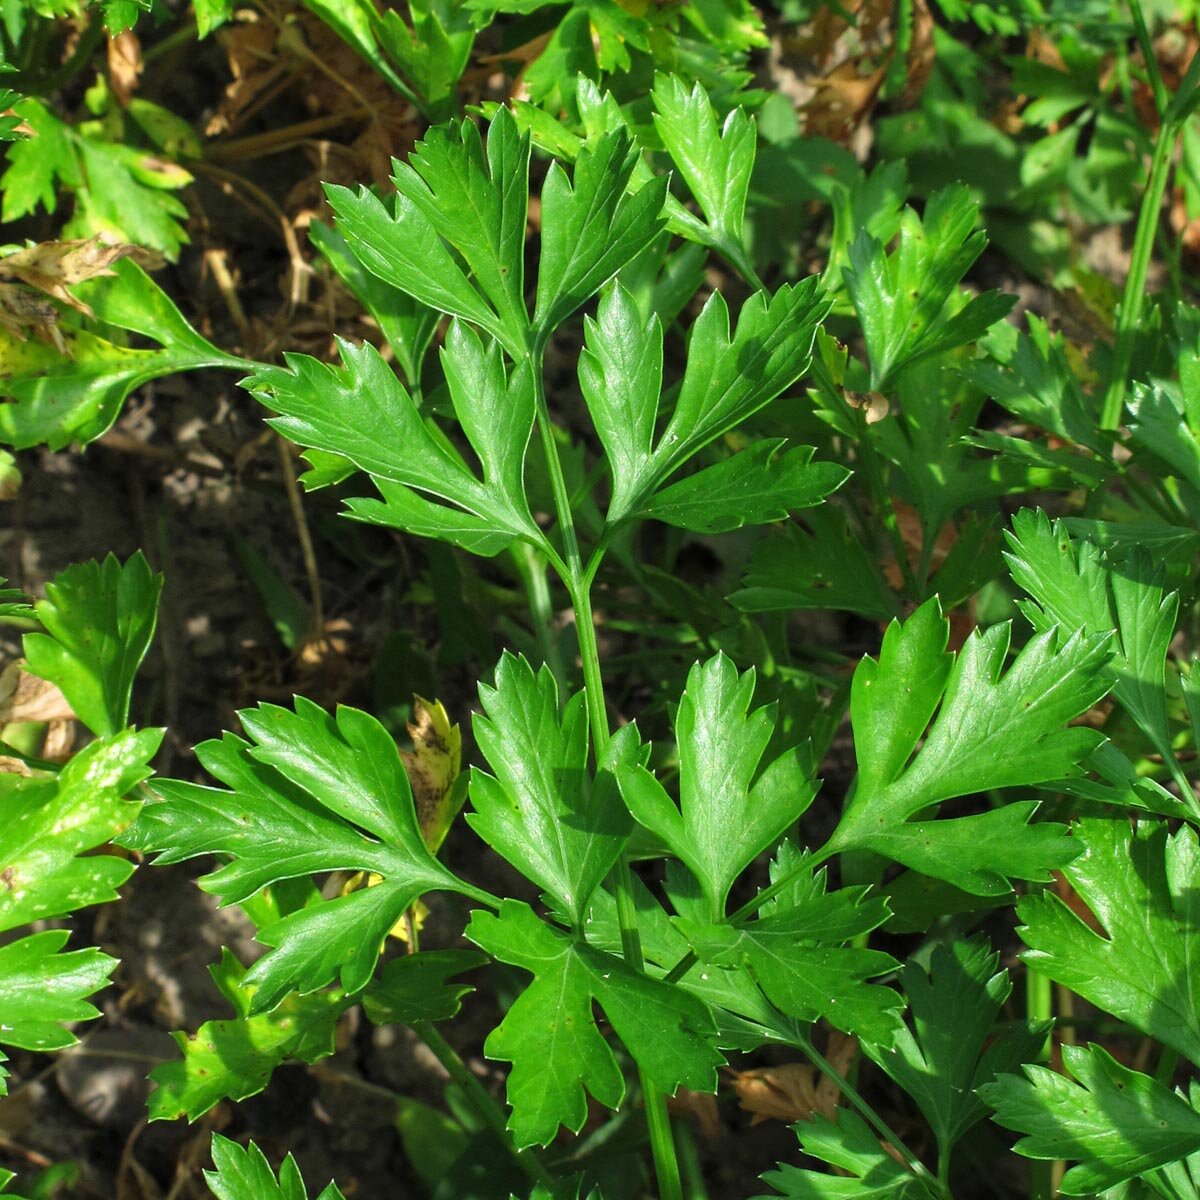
point(795, 1091)
point(833, 68)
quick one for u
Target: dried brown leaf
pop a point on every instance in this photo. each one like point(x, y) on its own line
point(25, 697)
point(51, 267)
point(793, 1092)
point(124, 65)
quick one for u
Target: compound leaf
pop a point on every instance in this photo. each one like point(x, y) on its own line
point(363, 413)
point(1141, 887)
point(949, 1051)
point(1115, 1123)
point(540, 808)
point(731, 808)
point(243, 1173)
point(310, 792)
point(993, 729)
point(549, 1034)
point(99, 620)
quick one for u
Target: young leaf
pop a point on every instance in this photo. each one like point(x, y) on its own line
point(716, 164)
point(1114, 1123)
point(1141, 888)
point(99, 620)
point(899, 297)
point(308, 793)
point(797, 956)
point(540, 808)
point(744, 1018)
point(1075, 586)
point(947, 1053)
point(731, 807)
point(1030, 376)
point(75, 398)
point(591, 226)
point(234, 1059)
point(759, 484)
point(827, 568)
point(871, 1173)
point(993, 729)
point(364, 413)
point(243, 1173)
point(549, 1033)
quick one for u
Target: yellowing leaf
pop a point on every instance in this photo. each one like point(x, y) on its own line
point(434, 764)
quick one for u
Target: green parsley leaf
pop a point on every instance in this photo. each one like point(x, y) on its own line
point(716, 163)
point(872, 1173)
point(759, 484)
point(549, 1034)
point(541, 809)
point(731, 807)
point(1141, 887)
point(1075, 586)
point(99, 620)
point(243, 1173)
point(794, 953)
point(592, 226)
point(1115, 1123)
point(310, 792)
point(900, 297)
point(362, 412)
point(48, 824)
point(993, 729)
point(727, 379)
point(416, 987)
point(234, 1059)
point(950, 1050)
point(829, 567)
point(74, 399)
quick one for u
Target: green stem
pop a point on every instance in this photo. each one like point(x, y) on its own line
point(1157, 86)
point(481, 1101)
point(577, 581)
point(868, 1113)
point(1039, 1006)
point(883, 503)
point(1133, 298)
point(532, 566)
